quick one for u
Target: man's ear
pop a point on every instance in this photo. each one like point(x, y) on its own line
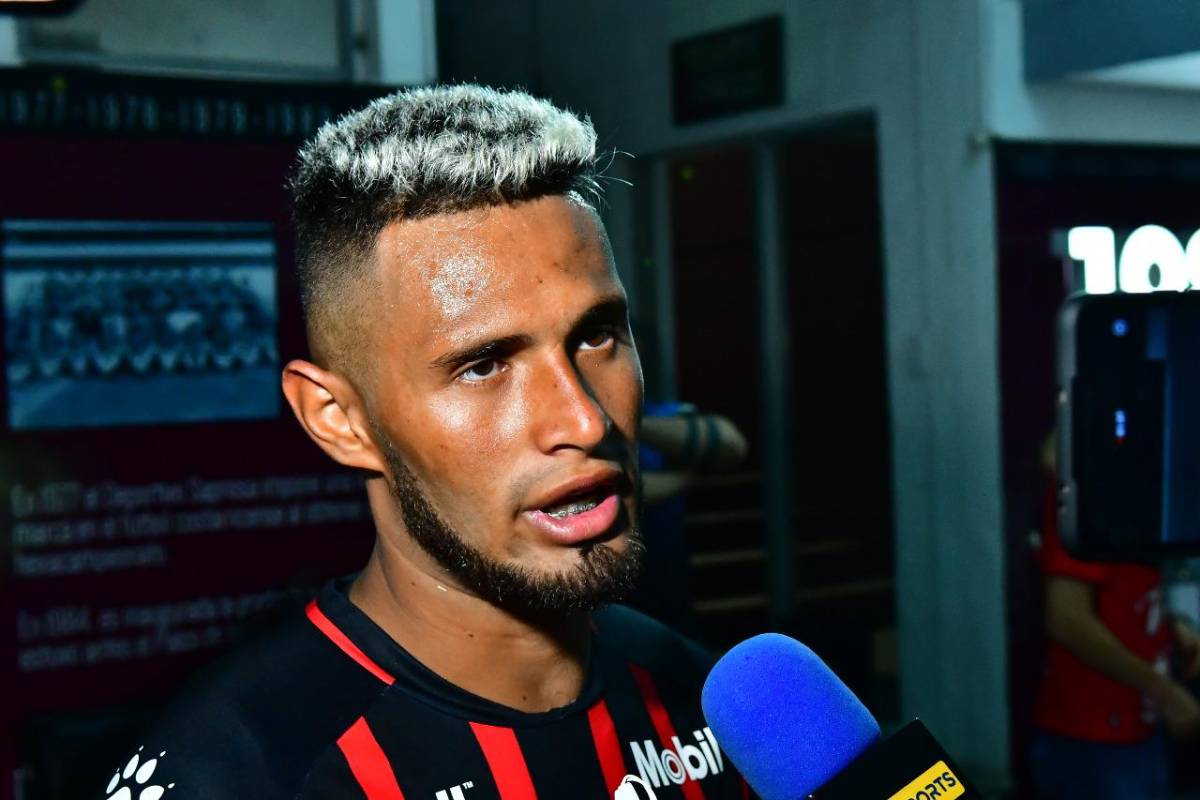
point(331, 413)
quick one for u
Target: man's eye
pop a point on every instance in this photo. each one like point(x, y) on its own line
point(597, 340)
point(480, 371)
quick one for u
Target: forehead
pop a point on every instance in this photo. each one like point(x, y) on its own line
point(451, 273)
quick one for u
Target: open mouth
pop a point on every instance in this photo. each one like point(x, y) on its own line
point(583, 512)
point(578, 505)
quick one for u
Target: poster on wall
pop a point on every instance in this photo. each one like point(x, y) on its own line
point(157, 498)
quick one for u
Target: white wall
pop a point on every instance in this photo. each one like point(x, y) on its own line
point(266, 39)
point(285, 38)
point(1074, 110)
point(8, 42)
point(406, 39)
point(1068, 37)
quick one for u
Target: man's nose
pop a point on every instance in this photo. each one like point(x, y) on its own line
point(566, 413)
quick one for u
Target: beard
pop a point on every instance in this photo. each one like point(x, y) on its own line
point(602, 574)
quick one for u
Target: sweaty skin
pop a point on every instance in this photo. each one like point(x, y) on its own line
point(546, 389)
point(458, 279)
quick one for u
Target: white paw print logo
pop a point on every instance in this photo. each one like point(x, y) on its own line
point(141, 772)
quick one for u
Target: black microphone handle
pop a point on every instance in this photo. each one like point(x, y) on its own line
point(908, 765)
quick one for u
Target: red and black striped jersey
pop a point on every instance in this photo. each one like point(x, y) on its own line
point(330, 706)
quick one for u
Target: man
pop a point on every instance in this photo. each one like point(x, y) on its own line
point(1107, 684)
point(471, 355)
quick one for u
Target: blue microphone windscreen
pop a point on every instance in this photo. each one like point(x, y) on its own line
point(783, 718)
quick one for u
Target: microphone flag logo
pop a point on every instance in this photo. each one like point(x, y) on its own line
point(937, 782)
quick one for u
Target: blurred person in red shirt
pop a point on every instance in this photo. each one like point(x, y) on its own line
point(1107, 692)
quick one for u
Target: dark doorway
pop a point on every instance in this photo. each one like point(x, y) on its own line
point(840, 442)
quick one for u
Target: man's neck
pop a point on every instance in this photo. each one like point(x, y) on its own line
point(527, 665)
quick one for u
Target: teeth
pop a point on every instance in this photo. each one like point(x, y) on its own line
point(577, 507)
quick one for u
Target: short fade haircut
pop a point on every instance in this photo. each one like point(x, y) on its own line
point(413, 154)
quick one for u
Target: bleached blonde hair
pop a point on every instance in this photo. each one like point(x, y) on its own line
point(420, 152)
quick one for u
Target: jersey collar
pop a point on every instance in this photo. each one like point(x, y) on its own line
point(357, 635)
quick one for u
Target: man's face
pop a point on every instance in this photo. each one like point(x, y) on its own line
point(506, 393)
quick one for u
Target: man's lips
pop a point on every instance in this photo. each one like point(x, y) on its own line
point(588, 484)
point(576, 528)
point(602, 487)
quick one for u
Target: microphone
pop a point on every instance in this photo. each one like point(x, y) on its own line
point(795, 731)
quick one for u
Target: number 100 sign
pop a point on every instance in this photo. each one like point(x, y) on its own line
point(1152, 259)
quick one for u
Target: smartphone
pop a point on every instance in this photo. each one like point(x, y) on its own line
point(1129, 425)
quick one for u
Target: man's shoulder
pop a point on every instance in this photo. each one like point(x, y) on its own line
point(647, 643)
point(253, 724)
